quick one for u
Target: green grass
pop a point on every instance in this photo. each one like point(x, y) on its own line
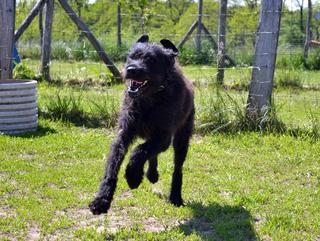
point(239, 186)
point(88, 72)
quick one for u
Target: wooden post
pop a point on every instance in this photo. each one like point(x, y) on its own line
point(260, 91)
point(95, 43)
point(7, 22)
point(46, 42)
point(199, 27)
point(187, 35)
point(221, 40)
point(41, 26)
point(215, 45)
point(28, 20)
point(209, 36)
point(119, 24)
point(308, 31)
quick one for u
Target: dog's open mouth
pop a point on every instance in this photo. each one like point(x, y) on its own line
point(135, 86)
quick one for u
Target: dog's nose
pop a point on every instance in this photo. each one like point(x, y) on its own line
point(132, 70)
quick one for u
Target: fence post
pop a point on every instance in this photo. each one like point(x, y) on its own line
point(222, 40)
point(7, 22)
point(119, 21)
point(28, 20)
point(260, 90)
point(95, 43)
point(308, 31)
point(198, 35)
point(41, 26)
point(46, 42)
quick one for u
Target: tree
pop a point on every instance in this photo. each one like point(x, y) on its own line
point(300, 4)
point(142, 8)
point(177, 8)
point(252, 4)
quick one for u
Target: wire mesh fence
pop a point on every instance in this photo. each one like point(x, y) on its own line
point(74, 60)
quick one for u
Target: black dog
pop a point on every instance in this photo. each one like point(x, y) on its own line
point(158, 107)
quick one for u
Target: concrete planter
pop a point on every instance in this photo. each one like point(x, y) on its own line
point(18, 106)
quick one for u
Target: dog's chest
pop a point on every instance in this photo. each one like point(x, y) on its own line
point(151, 121)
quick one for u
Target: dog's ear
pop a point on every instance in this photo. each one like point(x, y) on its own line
point(143, 39)
point(167, 44)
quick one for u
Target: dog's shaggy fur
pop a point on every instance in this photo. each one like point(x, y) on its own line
point(158, 107)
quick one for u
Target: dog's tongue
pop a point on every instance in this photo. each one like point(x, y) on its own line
point(135, 84)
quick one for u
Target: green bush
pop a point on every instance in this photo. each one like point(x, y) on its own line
point(243, 57)
point(22, 71)
point(292, 61)
point(102, 112)
point(30, 50)
point(288, 78)
point(189, 55)
point(313, 61)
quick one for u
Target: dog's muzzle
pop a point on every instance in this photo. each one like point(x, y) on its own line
point(136, 86)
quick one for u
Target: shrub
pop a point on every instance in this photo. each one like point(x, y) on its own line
point(227, 114)
point(70, 108)
point(313, 62)
point(64, 107)
point(22, 71)
point(60, 50)
point(212, 112)
point(288, 78)
point(292, 61)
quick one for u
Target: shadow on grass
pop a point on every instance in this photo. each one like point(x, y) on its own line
point(216, 222)
point(41, 131)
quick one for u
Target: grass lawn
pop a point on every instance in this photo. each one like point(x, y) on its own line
point(236, 187)
point(241, 186)
point(96, 70)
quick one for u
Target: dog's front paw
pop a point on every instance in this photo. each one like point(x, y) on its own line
point(152, 175)
point(99, 205)
point(134, 176)
point(176, 201)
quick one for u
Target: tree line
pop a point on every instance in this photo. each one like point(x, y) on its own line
point(169, 19)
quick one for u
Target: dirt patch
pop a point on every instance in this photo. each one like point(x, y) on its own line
point(125, 194)
point(27, 156)
point(33, 232)
point(116, 219)
point(197, 139)
point(3, 175)
point(6, 212)
point(225, 194)
point(7, 236)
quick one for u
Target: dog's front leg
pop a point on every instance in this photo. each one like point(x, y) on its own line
point(118, 149)
point(143, 152)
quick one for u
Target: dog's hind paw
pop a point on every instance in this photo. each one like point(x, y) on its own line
point(176, 201)
point(134, 176)
point(153, 176)
point(99, 205)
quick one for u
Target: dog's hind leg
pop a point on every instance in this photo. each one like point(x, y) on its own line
point(152, 173)
point(180, 145)
point(143, 152)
